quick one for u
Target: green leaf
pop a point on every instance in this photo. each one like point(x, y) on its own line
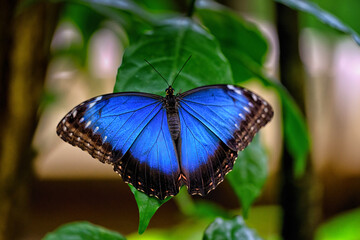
point(167, 47)
point(238, 38)
point(296, 135)
point(342, 227)
point(83, 231)
point(133, 18)
point(234, 229)
point(322, 15)
point(124, 5)
point(249, 174)
point(147, 207)
point(295, 132)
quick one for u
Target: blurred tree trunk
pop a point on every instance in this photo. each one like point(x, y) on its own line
point(298, 195)
point(25, 35)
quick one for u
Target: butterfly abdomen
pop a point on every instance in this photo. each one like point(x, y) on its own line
point(172, 116)
point(174, 124)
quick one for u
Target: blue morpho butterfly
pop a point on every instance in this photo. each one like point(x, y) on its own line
point(157, 144)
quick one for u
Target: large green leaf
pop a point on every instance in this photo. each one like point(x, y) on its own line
point(322, 15)
point(147, 207)
point(238, 38)
point(234, 229)
point(83, 231)
point(249, 174)
point(167, 47)
point(343, 227)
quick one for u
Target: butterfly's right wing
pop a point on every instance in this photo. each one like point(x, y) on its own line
point(129, 131)
point(216, 121)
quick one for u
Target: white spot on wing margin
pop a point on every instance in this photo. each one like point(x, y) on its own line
point(231, 87)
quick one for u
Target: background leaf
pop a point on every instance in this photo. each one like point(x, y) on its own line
point(322, 15)
point(83, 231)
point(234, 229)
point(239, 39)
point(167, 47)
point(147, 207)
point(295, 132)
point(249, 174)
point(134, 19)
point(296, 135)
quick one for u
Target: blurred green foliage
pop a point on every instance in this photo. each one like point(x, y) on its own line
point(321, 15)
point(87, 22)
point(345, 226)
point(347, 11)
point(232, 229)
point(240, 41)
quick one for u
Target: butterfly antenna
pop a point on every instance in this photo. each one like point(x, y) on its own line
point(157, 71)
point(181, 70)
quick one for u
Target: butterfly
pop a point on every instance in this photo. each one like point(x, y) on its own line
point(158, 144)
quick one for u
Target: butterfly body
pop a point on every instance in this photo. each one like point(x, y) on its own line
point(158, 144)
point(173, 119)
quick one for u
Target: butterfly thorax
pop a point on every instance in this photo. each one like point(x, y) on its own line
point(173, 119)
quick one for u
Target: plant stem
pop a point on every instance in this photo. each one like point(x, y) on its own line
point(299, 203)
point(24, 53)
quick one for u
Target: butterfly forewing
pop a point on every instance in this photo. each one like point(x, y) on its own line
point(232, 113)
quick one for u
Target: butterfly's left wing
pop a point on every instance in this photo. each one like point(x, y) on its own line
point(216, 122)
point(129, 131)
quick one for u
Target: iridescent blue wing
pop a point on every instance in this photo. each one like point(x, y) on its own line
point(216, 122)
point(152, 160)
point(127, 130)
